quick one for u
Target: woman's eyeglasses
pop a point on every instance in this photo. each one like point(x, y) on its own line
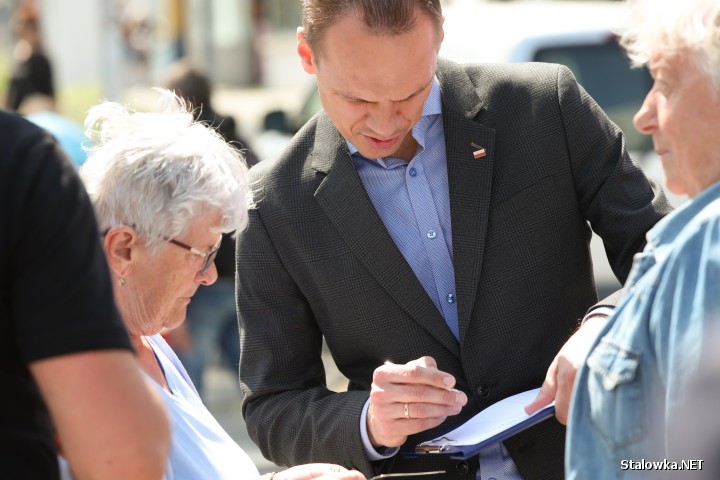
point(209, 257)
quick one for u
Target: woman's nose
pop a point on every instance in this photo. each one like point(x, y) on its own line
point(209, 276)
point(645, 118)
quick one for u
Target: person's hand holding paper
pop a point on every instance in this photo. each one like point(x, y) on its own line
point(410, 398)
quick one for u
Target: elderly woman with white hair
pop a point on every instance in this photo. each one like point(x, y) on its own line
point(647, 395)
point(165, 188)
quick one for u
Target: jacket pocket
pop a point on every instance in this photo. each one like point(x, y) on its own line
point(617, 408)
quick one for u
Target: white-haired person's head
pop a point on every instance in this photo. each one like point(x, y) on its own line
point(160, 171)
point(675, 27)
point(679, 40)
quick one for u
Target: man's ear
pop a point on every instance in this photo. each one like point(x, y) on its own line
point(441, 34)
point(307, 58)
point(120, 244)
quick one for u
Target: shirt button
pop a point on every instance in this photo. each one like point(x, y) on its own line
point(431, 234)
point(413, 172)
point(451, 298)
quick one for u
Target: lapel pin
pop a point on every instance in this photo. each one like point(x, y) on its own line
point(480, 152)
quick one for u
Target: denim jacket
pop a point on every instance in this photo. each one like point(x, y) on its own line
point(639, 400)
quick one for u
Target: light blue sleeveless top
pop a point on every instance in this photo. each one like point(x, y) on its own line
point(201, 448)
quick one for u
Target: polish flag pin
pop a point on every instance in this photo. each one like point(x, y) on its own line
point(480, 152)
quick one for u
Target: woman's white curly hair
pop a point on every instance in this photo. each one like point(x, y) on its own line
point(670, 27)
point(161, 171)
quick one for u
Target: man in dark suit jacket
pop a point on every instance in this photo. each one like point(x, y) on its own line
point(436, 217)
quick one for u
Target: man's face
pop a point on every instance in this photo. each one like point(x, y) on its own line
point(373, 87)
point(682, 112)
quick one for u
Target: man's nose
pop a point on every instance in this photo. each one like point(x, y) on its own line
point(385, 120)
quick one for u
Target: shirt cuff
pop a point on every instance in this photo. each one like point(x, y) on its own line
point(373, 453)
point(600, 311)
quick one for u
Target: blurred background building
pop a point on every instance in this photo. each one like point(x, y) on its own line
point(103, 48)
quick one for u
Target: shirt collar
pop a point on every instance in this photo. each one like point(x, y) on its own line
point(431, 107)
point(668, 227)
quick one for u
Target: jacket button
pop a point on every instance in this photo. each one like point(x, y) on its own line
point(482, 391)
point(462, 468)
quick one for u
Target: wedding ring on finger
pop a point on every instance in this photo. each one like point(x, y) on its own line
point(406, 410)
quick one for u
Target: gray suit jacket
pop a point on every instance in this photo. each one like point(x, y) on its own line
point(317, 261)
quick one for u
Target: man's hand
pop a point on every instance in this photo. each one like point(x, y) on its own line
point(560, 376)
point(410, 398)
point(319, 471)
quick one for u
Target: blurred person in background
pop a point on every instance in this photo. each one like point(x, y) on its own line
point(137, 30)
point(432, 224)
point(211, 327)
point(31, 68)
point(31, 90)
point(68, 370)
point(650, 387)
point(193, 85)
point(165, 188)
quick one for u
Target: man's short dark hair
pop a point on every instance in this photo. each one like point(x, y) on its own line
point(383, 17)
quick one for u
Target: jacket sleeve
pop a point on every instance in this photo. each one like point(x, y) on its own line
point(289, 411)
point(615, 196)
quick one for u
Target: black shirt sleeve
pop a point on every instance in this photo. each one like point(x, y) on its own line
point(59, 298)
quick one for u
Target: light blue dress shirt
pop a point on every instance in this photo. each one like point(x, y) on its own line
point(413, 201)
point(641, 395)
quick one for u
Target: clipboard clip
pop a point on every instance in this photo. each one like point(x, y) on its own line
point(434, 448)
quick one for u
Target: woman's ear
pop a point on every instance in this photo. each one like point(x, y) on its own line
point(120, 244)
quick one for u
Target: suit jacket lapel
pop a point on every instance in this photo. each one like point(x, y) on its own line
point(470, 181)
point(344, 200)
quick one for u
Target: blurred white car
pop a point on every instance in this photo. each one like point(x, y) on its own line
point(579, 34)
